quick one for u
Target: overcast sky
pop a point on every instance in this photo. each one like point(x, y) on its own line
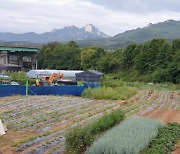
point(110, 16)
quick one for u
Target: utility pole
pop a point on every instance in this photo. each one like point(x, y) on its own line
point(36, 65)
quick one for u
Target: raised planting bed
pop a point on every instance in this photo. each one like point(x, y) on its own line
point(38, 123)
point(28, 117)
point(131, 136)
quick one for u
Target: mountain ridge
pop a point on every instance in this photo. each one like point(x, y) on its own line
point(169, 30)
point(65, 34)
point(91, 36)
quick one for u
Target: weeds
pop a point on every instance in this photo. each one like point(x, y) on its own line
point(123, 93)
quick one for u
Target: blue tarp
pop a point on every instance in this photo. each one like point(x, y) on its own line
point(8, 90)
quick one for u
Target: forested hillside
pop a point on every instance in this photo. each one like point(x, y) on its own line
point(168, 30)
point(153, 61)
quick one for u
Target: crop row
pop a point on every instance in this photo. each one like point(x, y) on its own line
point(78, 139)
point(131, 136)
point(165, 140)
point(82, 114)
point(56, 115)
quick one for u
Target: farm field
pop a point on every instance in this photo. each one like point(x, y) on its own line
point(36, 124)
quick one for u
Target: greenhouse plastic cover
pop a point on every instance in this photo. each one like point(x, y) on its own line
point(67, 73)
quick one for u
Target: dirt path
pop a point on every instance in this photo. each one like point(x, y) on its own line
point(177, 150)
point(165, 115)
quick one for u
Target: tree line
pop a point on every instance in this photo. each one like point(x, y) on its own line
point(153, 61)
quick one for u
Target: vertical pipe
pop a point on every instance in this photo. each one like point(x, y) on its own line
point(27, 88)
point(36, 65)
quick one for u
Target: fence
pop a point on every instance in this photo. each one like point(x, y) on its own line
point(8, 90)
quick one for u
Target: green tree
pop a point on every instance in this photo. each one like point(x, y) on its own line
point(59, 56)
point(111, 61)
point(154, 54)
point(129, 55)
point(45, 56)
point(176, 44)
point(90, 57)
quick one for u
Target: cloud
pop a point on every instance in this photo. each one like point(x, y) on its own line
point(111, 17)
point(140, 6)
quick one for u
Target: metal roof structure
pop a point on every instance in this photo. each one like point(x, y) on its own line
point(96, 72)
point(18, 49)
point(89, 76)
point(93, 72)
point(67, 73)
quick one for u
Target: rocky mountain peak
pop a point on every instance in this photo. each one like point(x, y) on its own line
point(89, 28)
point(65, 34)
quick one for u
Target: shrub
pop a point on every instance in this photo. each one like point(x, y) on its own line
point(106, 122)
point(131, 136)
point(165, 140)
point(17, 75)
point(20, 77)
point(108, 82)
point(78, 139)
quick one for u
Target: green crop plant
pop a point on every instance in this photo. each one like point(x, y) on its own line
point(32, 150)
point(29, 138)
point(79, 138)
point(165, 140)
point(45, 133)
point(1, 117)
point(24, 140)
point(168, 105)
point(131, 136)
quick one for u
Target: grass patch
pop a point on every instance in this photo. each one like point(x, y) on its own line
point(155, 86)
point(111, 93)
point(110, 89)
point(78, 139)
point(130, 137)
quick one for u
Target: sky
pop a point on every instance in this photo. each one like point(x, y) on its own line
point(109, 16)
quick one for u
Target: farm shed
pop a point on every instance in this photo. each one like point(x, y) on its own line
point(89, 76)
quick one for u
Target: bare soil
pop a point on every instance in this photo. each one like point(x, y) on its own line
point(11, 136)
point(19, 111)
point(166, 115)
point(177, 150)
